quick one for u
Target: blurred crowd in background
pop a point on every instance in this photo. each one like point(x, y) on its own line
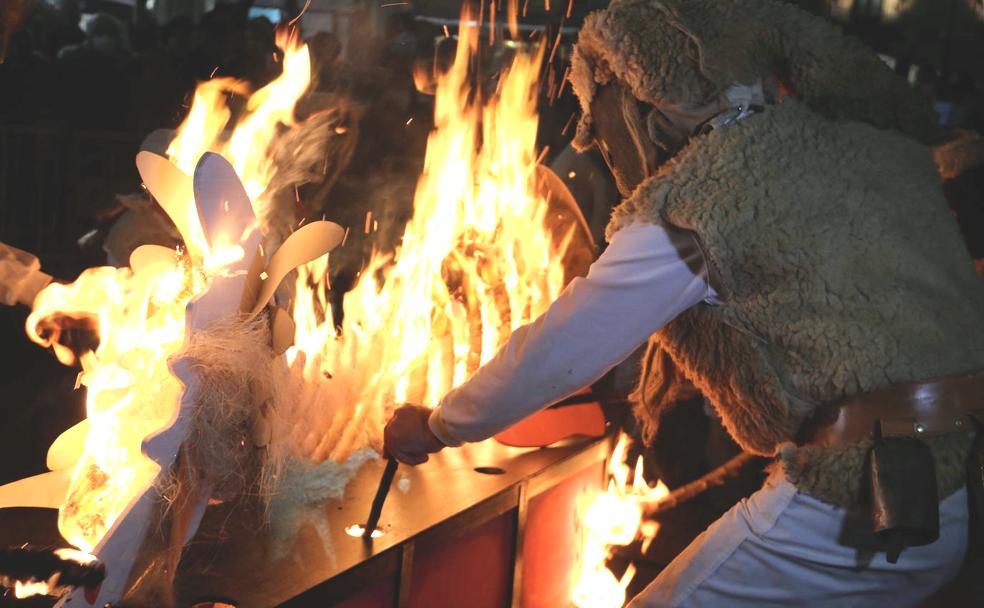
point(101, 71)
point(96, 64)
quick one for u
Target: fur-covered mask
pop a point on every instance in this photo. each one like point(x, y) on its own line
point(635, 137)
point(681, 55)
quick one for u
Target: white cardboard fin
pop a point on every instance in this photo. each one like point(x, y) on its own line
point(282, 330)
point(227, 220)
point(223, 206)
point(148, 255)
point(306, 244)
point(173, 190)
point(44, 491)
point(68, 447)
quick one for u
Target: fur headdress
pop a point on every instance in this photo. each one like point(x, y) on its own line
point(684, 53)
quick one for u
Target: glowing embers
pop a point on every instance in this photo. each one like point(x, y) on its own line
point(358, 531)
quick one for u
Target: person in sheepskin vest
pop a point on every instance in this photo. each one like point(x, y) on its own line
point(785, 242)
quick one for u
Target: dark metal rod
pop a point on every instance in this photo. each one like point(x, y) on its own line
point(717, 477)
point(377, 503)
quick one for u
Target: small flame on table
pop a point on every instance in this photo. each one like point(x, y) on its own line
point(357, 530)
point(612, 519)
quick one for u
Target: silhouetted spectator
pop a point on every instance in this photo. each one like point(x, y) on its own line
point(98, 72)
point(26, 81)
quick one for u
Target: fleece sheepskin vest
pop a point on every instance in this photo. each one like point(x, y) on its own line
point(840, 270)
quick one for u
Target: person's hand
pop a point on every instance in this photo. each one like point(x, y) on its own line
point(407, 436)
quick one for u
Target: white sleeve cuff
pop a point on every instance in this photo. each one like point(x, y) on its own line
point(440, 429)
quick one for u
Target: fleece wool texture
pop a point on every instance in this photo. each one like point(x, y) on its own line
point(682, 55)
point(685, 54)
point(840, 269)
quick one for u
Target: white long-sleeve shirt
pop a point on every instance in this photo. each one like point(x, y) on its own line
point(647, 276)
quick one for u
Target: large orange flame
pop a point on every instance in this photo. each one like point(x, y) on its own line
point(475, 262)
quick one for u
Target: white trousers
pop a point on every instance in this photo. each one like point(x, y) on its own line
point(779, 547)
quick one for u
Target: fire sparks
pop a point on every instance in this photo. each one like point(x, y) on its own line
point(358, 531)
point(512, 11)
point(611, 519)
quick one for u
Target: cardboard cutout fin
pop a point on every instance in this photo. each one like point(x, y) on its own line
point(224, 208)
point(282, 330)
point(306, 244)
point(68, 447)
point(148, 255)
point(228, 222)
point(45, 491)
point(173, 192)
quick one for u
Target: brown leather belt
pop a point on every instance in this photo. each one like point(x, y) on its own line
point(916, 409)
